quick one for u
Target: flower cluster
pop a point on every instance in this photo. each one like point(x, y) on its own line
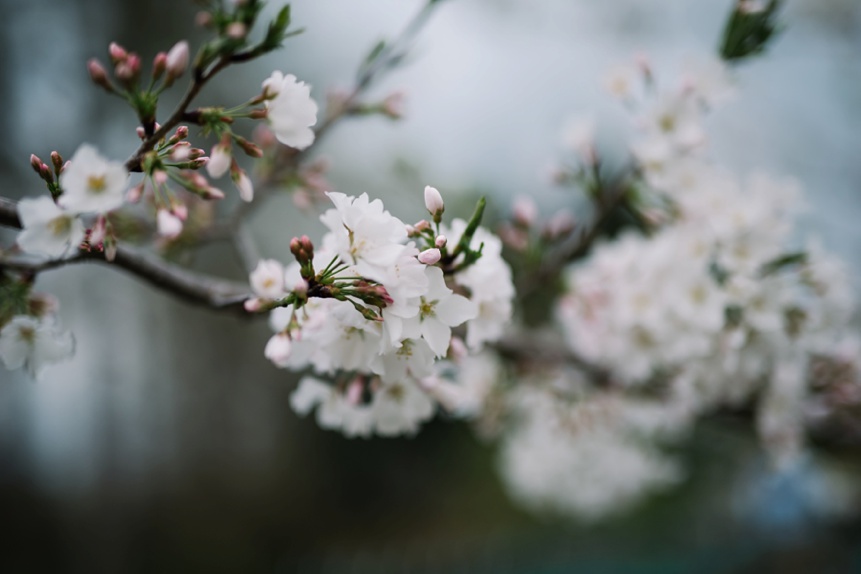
point(375, 311)
point(88, 184)
point(717, 305)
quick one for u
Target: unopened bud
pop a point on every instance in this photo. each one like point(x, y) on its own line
point(434, 203)
point(301, 288)
point(429, 256)
point(36, 163)
point(212, 193)
point(249, 148)
point(177, 59)
point(117, 52)
point(440, 241)
point(99, 75)
point(159, 65)
point(45, 173)
point(57, 160)
point(128, 69)
point(140, 132)
point(236, 30)
point(422, 225)
point(259, 114)
point(253, 305)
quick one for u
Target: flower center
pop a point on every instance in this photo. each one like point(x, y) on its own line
point(396, 393)
point(27, 334)
point(96, 184)
point(427, 308)
point(60, 226)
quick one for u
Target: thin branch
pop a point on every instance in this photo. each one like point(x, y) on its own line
point(189, 286)
point(200, 78)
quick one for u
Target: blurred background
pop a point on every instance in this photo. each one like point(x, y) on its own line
point(168, 445)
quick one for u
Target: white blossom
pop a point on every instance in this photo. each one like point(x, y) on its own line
point(34, 343)
point(364, 234)
point(47, 229)
point(291, 111)
point(92, 183)
point(267, 279)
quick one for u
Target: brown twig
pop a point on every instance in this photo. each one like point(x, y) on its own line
point(192, 287)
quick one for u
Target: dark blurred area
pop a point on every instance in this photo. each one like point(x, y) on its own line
point(168, 444)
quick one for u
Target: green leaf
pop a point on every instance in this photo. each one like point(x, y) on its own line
point(748, 33)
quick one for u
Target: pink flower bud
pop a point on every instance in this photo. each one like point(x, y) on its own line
point(98, 74)
point(177, 59)
point(159, 65)
point(128, 69)
point(301, 287)
point(57, 160)
point(278, 349)
point(440, 241)
point(236, 30)
point(411, 231)
point(169, 226)
point(36, 163)
point(140, 132)
point(253, 304)
point(429, 256)
point(117, 52)
point(433, 202)
point(422, 225)
point(213, 193)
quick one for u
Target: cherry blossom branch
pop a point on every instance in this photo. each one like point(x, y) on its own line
point(189, 286)
point(290, 158)
point(199, 79)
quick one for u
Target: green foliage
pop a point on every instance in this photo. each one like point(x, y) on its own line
point(748, 32)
